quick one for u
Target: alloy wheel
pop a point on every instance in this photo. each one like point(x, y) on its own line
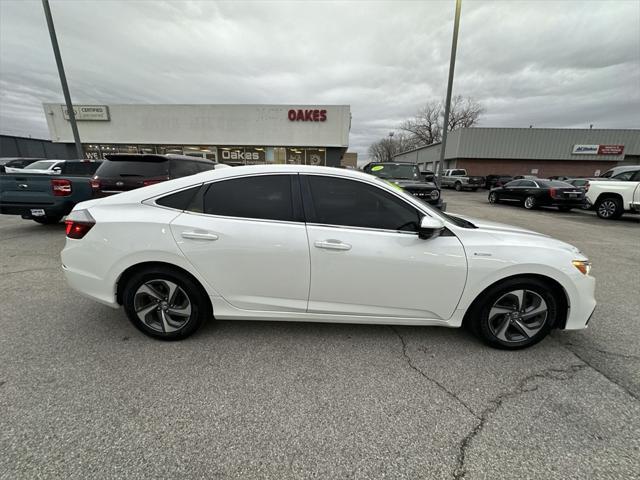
point(517, 316)
point(162, 305)
point(493, 197)
point(607, 208)
point(529, 202)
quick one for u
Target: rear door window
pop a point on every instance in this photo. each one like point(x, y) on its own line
point(267, 197)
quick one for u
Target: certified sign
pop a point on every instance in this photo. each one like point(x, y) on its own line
point(88, 112)
point(585, 149)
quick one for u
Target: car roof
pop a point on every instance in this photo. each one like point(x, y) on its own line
point(150, 157)
point(623, 168)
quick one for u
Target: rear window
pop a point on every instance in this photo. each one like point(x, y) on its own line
point(553, 184)
point(80, 168)
point(128, 168)
point(41, 165)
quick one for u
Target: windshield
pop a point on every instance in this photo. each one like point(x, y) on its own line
point(393, 170)
point(41, 165)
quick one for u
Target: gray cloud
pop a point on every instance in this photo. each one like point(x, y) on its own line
point(546, 63)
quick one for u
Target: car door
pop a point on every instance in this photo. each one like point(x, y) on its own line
point(509, 191)
point(367, 259)
point(246, 236)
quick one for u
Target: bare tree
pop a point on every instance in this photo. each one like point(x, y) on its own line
point(384, 149)
point(426, 126)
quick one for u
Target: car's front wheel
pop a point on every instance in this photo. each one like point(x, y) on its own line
point(165, 304)
point(494, 198)
point(515, 314)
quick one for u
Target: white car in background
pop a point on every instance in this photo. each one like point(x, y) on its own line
point(318, 244)
point(50, 167)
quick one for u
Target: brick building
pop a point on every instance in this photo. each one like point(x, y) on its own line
point(531, 151)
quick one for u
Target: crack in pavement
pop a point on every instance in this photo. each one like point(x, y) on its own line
point(622, 387)
point(432, 380)
point(604, 352)
point(521, 388)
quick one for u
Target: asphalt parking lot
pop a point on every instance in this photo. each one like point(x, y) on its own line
point(83, 394)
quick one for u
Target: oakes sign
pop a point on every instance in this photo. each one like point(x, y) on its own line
point(307, 115)
point(88, 112)
point(598, 149)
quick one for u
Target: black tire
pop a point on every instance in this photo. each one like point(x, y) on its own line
point(200, 307)
point(478, 317)
point(494, 197)
point(530, 202)
point(609, 208)
point(458, 186)
point(47, 220)
point(564, 209)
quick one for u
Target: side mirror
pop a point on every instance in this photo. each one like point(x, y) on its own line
point(430, 227)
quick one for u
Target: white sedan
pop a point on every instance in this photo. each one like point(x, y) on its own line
point(317, 244)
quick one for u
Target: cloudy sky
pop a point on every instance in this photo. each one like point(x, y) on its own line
point(547, 63)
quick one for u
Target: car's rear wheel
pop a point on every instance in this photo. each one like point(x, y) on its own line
point(530, 202)
point(165, 304)
point(494, 198)
point(458, 186)
point(47, 220)
point(515, 314)
point(609, 208)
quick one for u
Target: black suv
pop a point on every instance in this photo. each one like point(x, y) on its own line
point(123, 171)
point(409, 178)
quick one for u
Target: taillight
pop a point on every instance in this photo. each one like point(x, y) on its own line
point(60, 187)
point(78, 223)
point(146, 183)
point(95, 183)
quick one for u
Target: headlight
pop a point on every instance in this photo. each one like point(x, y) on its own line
point(583, 265)
point(435, 194)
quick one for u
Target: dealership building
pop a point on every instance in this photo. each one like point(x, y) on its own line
point(233, 134)
point(543, 152)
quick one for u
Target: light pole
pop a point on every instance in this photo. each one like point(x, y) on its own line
point(389, 150)
point(63, 77)
point(447, 105)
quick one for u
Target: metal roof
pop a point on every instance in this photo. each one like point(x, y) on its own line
point(526, 144)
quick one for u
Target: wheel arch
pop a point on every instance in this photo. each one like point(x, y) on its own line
point(604, 195)
point(559, 291)
point(133, 269)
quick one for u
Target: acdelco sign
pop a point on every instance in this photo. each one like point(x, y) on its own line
point(307, 115)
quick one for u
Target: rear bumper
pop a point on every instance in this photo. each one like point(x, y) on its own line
point(90, 286)
point(24, 209)
point(566, 202)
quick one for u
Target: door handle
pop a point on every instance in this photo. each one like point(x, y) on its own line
point(332, 245)
point(200, 236)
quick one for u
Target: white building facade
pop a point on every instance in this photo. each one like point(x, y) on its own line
point(234, 134)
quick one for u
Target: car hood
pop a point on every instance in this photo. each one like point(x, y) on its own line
point(499, 230)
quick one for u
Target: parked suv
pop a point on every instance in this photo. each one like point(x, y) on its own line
point(123, 171)
point(408, 177)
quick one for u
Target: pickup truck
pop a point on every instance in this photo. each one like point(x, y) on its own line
point(612, 198)
point(457, 178)
point(46, 198)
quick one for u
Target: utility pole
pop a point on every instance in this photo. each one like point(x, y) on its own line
point(63, 77)
point(447, 105)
